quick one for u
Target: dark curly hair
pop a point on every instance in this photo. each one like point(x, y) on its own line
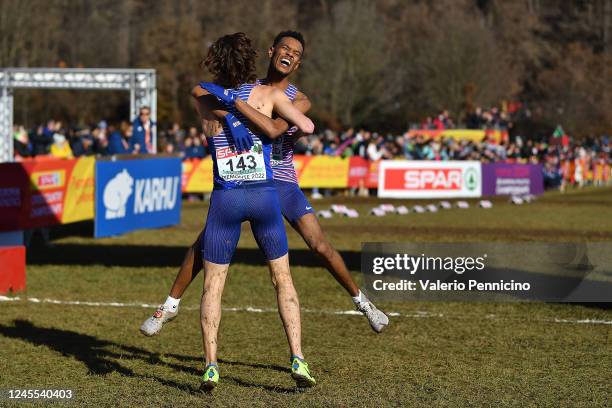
point(231, 60)
point(290, 33)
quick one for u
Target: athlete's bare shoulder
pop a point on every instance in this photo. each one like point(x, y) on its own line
point(276, 94)
point(261, 90)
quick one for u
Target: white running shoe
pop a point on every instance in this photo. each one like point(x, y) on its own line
point(154, 324)
point(377, 319)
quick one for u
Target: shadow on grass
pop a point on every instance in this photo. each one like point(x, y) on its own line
point(272, 367)
point(100, 358)
point(271, 388)
point(160, 256)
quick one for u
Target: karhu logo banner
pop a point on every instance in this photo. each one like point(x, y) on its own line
point(116, 194)
point(156, 194)
point(135, 194)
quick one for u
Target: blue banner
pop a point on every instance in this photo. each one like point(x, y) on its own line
point(137, 194)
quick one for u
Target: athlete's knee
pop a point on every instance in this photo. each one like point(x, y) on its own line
point(282, 282)
point(323, 248)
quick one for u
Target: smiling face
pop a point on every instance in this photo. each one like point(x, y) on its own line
point(286, 56)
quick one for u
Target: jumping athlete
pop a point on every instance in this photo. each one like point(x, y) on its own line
point(285, 55)
point(244, 191)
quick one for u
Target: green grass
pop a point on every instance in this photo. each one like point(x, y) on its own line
point(455, 354)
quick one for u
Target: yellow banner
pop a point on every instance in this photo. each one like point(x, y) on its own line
point(324, 172)
point(79, 200)
point(198, 176)
point(312, 171)
point(474, 135)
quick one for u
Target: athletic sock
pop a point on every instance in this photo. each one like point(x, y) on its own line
point(172, 303)
point(360, 298)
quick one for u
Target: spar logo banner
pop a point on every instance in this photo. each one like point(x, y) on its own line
point(45, 192)
point(429, 179)
point(136, 194)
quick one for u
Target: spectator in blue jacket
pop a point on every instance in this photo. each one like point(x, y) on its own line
point(143, 129)
point(83, 145)
point(194, 148)
point(118, 139)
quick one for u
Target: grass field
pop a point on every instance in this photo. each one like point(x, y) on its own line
point(432, 354)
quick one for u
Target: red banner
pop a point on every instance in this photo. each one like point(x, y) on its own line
point(359, 168)
point(12, 273)
point(42, 193)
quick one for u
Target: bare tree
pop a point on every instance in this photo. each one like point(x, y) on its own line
point(381, 63)
point(349, 70)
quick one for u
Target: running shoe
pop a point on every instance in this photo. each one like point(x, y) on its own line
point(210, 379)
point(377, 319)
point(300, 373)
point(154, 324)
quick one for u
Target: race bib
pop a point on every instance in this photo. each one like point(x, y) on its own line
point(245, 166)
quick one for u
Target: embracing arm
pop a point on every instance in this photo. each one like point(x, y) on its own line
point(284, 108)
point(273, 128)
point(207, 105)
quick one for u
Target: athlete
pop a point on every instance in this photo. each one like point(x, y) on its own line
point(244, 191)
point(285, 55)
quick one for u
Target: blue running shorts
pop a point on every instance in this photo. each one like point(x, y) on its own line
point(257, 203)
point(293, 203)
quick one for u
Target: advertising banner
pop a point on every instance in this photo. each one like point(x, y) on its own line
point(354, 172)
point(197, 176)
point(429, 179)
point(312, 171)
point(372, 181)
point(473, 135)
point(44, 193)
point(13, 271)
point(359, 169)
point(136, 194)
point(512, 179)
point(322, 171)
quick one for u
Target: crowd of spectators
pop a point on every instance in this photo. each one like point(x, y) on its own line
point(490, 118)
point(415, 146)
point(58, 140)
